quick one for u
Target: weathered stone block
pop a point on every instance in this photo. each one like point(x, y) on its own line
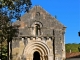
point(41, 36)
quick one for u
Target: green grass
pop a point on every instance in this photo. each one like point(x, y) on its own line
point(73, 47)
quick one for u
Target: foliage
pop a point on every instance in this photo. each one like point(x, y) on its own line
point(6, 27)
point(73, 47)
point(10, 9)
point(7, 32)
point(79, 48)
point(13, 8)
point(3, 52)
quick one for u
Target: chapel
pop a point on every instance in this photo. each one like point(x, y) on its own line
point(41, 37)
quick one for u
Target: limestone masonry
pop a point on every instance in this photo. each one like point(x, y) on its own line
point(41, 37)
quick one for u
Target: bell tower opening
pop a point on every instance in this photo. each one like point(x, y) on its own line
point(36, 56)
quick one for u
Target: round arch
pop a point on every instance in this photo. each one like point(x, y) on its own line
point(39, 47)
point(36, 28)
point(36, 22)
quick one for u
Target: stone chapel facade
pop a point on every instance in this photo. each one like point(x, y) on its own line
point(41, 37)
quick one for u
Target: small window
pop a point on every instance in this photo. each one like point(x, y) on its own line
point(37, 30)
point(37, 14)
point(53, 32)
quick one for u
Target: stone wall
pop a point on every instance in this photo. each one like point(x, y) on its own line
point(18, 50)
point(39, 27)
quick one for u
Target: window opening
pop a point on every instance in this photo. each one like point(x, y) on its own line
point(37, 14)
point(37, 29)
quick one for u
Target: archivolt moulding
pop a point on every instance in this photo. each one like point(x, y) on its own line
point(41, 47)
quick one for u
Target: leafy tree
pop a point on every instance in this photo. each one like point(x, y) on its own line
point(3, 52)
point(13, 8)
point(79, 49)
point(7, 32)
point(72, 47)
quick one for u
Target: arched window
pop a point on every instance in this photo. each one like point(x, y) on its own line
point(37, 30)
point(53, 32)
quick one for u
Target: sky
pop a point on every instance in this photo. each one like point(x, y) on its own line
point(67, 12)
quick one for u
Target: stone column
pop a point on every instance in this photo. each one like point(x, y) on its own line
point(40, 58)
point(46, 57)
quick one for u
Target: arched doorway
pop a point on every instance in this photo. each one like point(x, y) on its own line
point(36, 56)
point(36, 51)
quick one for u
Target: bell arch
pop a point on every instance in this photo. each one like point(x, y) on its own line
point(40, 47)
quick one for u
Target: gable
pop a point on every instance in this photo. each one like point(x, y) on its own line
point(37, 13)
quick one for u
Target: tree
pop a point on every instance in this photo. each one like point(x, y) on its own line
point(7, 32)
point(79, 49)
point(13, 8)
point(3, 24)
